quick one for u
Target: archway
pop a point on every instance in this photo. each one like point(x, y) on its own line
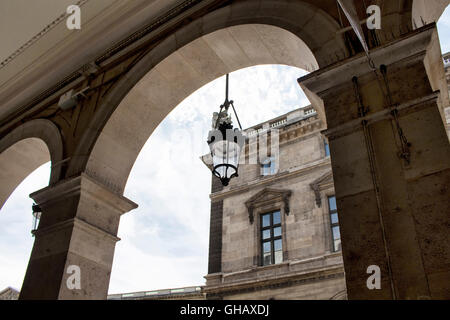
point(25, 149)
point(199, 53)
point(176, 77)
point(16, 224)
point(165, 242)
point(129, 111)
point(289, 29)
point(23, 154)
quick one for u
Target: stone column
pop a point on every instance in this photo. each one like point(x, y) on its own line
point(391, 165)
point(77, 232)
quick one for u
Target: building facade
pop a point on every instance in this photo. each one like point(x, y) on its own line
point(9, 294)
point(275, 228)
point(446, 58)
point(187, 293)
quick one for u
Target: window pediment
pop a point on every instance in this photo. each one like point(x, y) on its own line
point(322, 183)
point(268, 196)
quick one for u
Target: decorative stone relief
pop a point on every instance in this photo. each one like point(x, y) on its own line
point(268, 196)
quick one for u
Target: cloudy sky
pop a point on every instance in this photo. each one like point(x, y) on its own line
point(165, 241)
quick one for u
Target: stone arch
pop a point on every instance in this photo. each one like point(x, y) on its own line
point(285, 31)
point(24, 150)
point(341, 295)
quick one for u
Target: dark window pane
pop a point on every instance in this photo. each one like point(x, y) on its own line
point(267, 259)
point(336, 233)
point(266, 220)
point(334, 218)
point(266, 247)
point(277, 232)
point(277, 217)
point(266, 234)
point(332, 202)
point(278, 245)
point(278, 257)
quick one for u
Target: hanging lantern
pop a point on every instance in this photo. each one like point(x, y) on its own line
point(36, 217)
point(225, 143)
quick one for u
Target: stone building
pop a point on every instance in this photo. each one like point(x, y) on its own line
point(274, 229)
point(446, 58)
point(276, 224)
point(9, 294)
point(187, 293)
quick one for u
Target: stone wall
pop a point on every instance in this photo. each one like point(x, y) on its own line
point(9, 294)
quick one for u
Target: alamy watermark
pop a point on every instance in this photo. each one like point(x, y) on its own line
point(73, 22)
point(73, 282)
point(374, 281)
point(374, 19)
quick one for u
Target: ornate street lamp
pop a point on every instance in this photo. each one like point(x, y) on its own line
point(36, 217)
point(225, 142)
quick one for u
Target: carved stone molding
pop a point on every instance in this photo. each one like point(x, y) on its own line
point(268, 196)
point(323, 182)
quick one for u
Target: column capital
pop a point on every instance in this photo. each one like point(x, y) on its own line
point(415, 44)
point(83, 185)
point(78, 227)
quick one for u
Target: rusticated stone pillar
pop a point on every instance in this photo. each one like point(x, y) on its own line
point(77, 232)
point(391, 167)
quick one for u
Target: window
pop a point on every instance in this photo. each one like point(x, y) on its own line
point(269, 167)
point(336, 234)
point(327, 148)
point(271, 239)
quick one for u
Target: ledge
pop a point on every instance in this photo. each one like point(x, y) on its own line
point(287, 174)
point(218, 282)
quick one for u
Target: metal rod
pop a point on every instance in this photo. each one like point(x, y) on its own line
point(226, 90)
point(237, 118)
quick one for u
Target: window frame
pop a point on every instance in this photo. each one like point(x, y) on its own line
point(272, 237)
point(269, 165)
point(333, 225)
point(326, 148)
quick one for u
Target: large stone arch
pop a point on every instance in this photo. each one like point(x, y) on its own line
point(24, 150)
point(244, 34)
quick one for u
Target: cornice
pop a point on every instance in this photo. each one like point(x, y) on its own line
point(329, 272)
point(264, 182)
point(86, 186)
point(39, 35)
